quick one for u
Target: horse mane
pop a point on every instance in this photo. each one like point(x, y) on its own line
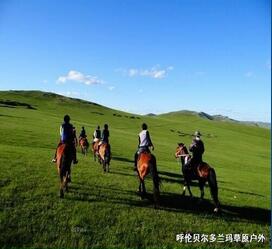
point(185, 150)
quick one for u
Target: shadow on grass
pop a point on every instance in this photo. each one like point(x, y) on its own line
point(178, 178)
point(242, 192)
point(170, 202)
point(122, 159)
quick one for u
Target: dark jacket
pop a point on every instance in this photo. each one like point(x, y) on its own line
point(197, 148)
point(67, 135)
point(105, 136)
point(97, 134)
point(82, 134)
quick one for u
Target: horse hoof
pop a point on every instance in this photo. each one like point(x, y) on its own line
point(216, 210)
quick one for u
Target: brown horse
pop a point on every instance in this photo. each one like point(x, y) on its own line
point(104, 156)
point(147, 164)
point(83, 142)
point(201, 172)
point(95, 146)
point(64, 161)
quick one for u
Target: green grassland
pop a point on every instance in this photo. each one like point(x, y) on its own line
point(103, 210)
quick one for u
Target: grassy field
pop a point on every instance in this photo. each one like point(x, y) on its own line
point(103, 210)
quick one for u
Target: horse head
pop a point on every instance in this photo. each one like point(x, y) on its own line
point(181, 150)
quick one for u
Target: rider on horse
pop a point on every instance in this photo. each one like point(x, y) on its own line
point(67, 136)
point(82, 133)
point(197, 149)
point(144, 143)
point(97, 134)
point(105, 134)
point(83, 136)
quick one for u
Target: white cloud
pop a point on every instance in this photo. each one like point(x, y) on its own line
point(44, 81)
point(132, 72)
point(155, 72)
point(73, 75)
point(111, 88)
point(71, 94)
point(248, 74)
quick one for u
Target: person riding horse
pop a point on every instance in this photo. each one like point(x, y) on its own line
point(67, 136)
point(82, 133)
point(197, 149)
point(144, 144)
point(105, 136)
point(97, 134)
point(83, 142)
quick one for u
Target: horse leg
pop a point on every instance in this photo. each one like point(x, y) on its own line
point(156, 181)
point(66, 180)
point(189, 188)
point(184, 178)
point(144, 190)
point(201, 186)
point(214, 189)
point(184, 189)
point(187, 183)
point(140, 187)
point(104, 166)
point(61, 187)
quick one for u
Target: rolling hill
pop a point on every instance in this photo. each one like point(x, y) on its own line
point(103, 210)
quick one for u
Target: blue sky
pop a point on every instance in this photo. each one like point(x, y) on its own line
point(142, 56)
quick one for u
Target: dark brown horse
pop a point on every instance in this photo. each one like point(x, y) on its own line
point(147, 164)
point(201, 172)
point(104, 156)
point(64, 161)
point(83, 142)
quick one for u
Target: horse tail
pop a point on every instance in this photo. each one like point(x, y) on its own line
point(156, 179)
point(107, 154)
point(213, 186)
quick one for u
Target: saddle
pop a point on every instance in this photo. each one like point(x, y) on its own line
point(143, 150)
point(203, 170)
point(199, 169)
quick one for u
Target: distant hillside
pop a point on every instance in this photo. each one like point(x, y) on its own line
point(39, 97)
point(219, 117)
point(151, 114)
